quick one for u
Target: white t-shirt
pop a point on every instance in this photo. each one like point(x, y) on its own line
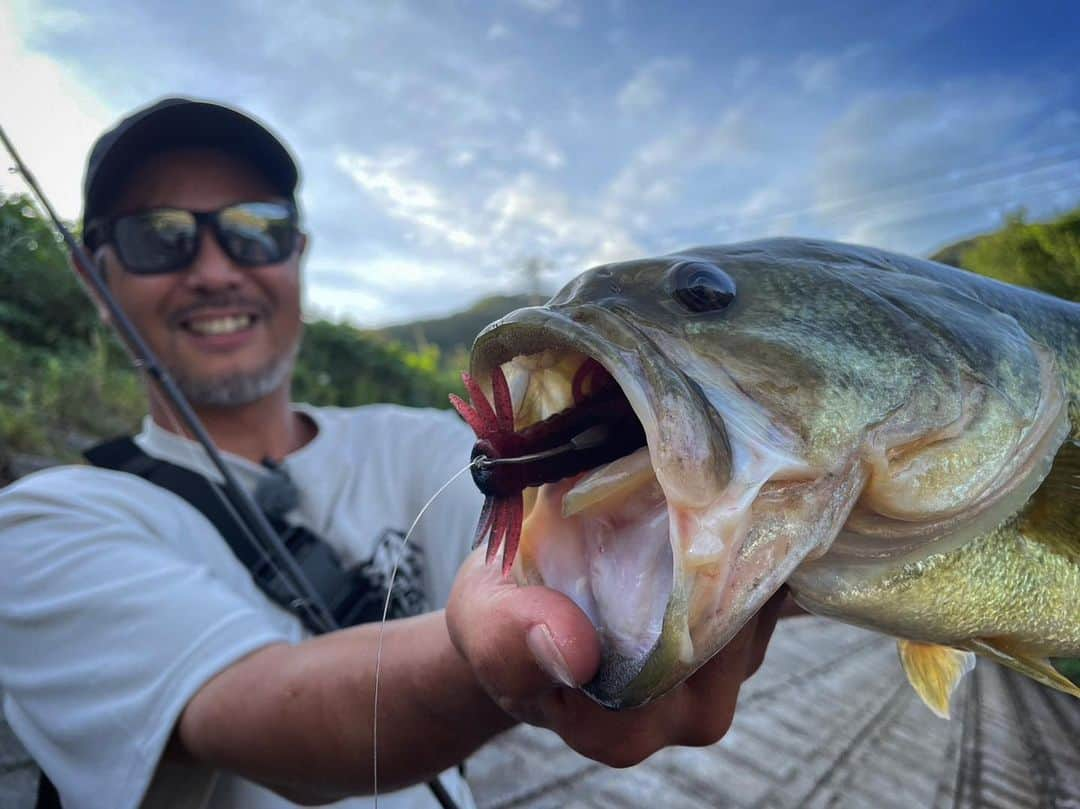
point(119, 600)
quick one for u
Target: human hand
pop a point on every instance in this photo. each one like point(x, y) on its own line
point(528, 647)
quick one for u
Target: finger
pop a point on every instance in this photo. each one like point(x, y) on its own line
point(520, 641)
point(714, 690)
point(790, 607)
point(615, 738)
point(766, 624)
point(696, 713)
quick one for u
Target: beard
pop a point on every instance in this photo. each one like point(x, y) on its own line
point(239, 388)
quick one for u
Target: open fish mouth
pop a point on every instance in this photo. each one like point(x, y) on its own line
point(606, 542)
point(692, 507)
point(667, 441)
point(634, 538)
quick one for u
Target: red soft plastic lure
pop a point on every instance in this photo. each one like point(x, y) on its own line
point(544, 452)
point(500, 519)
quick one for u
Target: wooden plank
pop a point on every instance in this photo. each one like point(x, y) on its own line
point(829, 721)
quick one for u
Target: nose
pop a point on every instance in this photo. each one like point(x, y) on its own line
point(212, 269)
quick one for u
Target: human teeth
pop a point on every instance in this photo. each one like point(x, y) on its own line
point(221, 325)
point(609, 484)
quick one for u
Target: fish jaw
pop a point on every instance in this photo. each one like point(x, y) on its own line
point(670, 565)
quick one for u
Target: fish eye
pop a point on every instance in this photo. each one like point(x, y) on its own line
point(701, 287)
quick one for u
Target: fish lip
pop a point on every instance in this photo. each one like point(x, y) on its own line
point(612, 685)
point(684, 451)
point(621, 681)
point(537, 328)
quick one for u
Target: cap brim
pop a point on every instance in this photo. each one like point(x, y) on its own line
point(173, 123)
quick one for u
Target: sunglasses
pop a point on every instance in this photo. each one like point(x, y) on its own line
point(164, 240)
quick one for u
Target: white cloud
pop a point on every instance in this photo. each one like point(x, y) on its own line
point(539, 147)
point(391, 287)
point(51, 118)
point(421, 203)
point(907, 169)
point(647, 88)
point(426, 141)
point(815, 72)
point(462, 158)
point(562, 12)
point(546, 222)
point(659, 172)
point(746, 70)
point(819, 73)
point(497, 31)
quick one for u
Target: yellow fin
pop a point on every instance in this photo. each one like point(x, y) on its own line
point(934, 672)
point(1037, 668)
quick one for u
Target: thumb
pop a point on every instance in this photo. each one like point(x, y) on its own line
point(520, 641)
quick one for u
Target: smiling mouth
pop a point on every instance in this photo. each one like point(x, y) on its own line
point(205, 326)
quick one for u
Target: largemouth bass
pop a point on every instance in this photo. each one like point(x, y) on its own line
point(897, 440)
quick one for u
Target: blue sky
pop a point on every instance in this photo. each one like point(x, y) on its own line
point(445, 145)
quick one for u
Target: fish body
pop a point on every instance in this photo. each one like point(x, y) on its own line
point(897, 440)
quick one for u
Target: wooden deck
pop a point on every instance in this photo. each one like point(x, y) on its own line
point(828, 721)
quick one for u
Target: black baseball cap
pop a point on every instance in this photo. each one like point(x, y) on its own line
point(175, 122)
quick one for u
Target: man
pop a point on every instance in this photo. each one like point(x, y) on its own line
point(142, 665)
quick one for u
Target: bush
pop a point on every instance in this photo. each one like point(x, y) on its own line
point(1044, 256)
point(52, 402)
point(42, 303)
point(339, 365)
point(66, 380)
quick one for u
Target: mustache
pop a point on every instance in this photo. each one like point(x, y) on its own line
point(219, 300)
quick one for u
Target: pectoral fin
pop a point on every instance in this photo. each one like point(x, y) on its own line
point(1037, 668)
point(934, 672)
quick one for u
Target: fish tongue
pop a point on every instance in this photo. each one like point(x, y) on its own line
point(607, 486)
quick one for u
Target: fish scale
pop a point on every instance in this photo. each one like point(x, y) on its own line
point(876, 431)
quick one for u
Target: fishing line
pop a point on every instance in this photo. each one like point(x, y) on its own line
point(878, 198)
point(1042, 189)
point(382, 629)
point(1040, 154)
point(256, 524)
point(237, 501)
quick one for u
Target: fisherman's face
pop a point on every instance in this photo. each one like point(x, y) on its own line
point(228, 334)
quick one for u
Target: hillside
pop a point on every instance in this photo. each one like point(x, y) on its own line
point(1041, 255)
point(453, 335)
point(66, 381)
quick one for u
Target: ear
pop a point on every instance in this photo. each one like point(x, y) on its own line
point(301, 244)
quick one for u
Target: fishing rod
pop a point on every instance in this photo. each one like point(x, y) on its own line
point(236, 498)
point(257, 528)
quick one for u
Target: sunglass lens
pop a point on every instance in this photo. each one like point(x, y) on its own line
point(156, 241)
point(255, 233)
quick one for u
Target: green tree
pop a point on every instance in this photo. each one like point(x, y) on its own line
point(1045, 256)
point(41, 302)
point(339, 365)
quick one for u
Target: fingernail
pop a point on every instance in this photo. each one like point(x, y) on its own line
point(542, 645)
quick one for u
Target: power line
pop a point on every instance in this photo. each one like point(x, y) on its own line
point(858, 203)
